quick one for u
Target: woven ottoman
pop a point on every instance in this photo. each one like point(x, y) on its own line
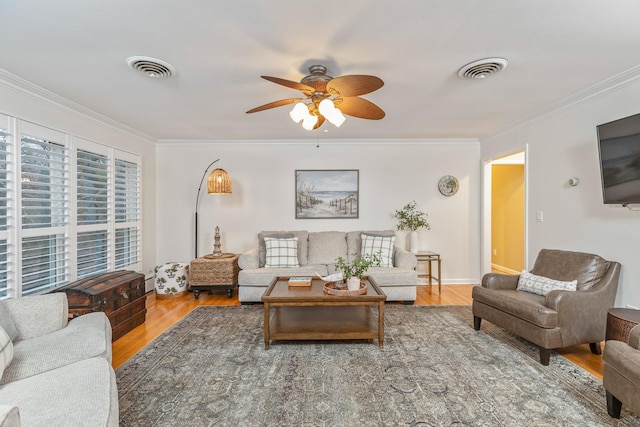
point(171, 279)
point(211, 272)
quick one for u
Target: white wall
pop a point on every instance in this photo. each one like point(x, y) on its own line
point(563, 145)
point(263, 176)
point(47, 110)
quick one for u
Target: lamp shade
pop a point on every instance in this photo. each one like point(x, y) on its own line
point(219, 182)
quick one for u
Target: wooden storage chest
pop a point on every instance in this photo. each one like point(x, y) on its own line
point(119, 294)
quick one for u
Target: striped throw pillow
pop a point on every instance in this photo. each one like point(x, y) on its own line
point(281, 253)
point(379, 245)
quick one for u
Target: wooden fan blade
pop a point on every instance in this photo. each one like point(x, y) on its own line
point(354, 85)
point(288, 83)
point(320, 121)
point(359, 107)
point(275, 104)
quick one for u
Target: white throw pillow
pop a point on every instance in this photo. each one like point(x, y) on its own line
point(6, 350)
point(379, 245)
point(281, 252)
point(543, 285)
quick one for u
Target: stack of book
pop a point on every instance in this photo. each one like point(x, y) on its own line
point(300, 281)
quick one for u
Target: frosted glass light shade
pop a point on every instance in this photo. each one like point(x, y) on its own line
point(299, 112)
point(338, 118)
point(326, 108)
point(309, 122)
point(219, 182)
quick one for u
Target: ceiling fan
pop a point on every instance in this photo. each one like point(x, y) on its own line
point(328, 98)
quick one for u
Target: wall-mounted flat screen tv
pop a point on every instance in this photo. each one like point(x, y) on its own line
point(619, 148)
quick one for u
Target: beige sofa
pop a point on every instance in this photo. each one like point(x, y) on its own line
point(317, 253)
point(60, 373)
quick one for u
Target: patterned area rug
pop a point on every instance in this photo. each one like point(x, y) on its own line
point(211, 369)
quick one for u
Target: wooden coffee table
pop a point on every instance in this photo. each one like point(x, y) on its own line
point(307, 313)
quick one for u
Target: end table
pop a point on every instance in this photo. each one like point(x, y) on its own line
point(429, 257)
point(210, 272)
point(620, 321)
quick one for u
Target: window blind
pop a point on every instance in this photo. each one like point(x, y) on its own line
point(127, 213)
point(92, 204)
point(44, 189)
point(5, 183)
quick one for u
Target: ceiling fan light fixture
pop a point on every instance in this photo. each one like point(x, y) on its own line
point(309, 122)
point(328, 109)
point(299, 112)
point(338, 118)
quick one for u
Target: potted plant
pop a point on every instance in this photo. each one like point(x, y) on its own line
point(352, 272)
point(410, 219)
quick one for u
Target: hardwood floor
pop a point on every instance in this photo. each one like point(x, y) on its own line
point(162, 313)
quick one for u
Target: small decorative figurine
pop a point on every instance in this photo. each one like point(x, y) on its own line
point(216, 245)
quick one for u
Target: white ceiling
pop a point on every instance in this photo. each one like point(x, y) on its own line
point(77, 49)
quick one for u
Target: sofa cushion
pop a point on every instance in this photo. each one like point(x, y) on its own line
point(385, 276)
point(302, 244)
point(326, 246)
point(86, 336)
point(281, 252)
point(354, 240)
point(6, 350)
point(382, 246)
point(586, 268)
point(543, 285)
point(523, 305)
point(7, 323)
point(80, 394)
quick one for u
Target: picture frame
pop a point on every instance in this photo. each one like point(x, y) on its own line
point(327, 194)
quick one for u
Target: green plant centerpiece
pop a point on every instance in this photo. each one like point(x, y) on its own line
point(357, 267)
point(410, 218)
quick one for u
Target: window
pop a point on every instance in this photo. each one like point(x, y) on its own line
point(44, 188)
point(69, 208)
point(5, 176)
point(127, 205)
point(92, 207)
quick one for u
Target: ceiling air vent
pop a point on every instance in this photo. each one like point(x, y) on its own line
point(482, 68)
point(151, 67)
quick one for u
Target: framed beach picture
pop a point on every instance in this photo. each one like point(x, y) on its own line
point(326, 194)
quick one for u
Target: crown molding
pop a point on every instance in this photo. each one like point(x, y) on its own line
point(426, 141)
point(31, 90)
point(612, 84)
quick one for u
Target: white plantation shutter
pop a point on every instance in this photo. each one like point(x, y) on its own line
point(127, 213)
point(69, 208)
point(44, 187)
point(92, 206)
point(5, 183)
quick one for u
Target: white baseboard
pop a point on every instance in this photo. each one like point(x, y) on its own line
point(503, 270)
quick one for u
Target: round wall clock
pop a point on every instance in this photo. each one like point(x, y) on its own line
point(448, 185)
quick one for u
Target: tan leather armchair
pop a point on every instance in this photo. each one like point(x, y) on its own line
point(561, 318)
point(622, 374)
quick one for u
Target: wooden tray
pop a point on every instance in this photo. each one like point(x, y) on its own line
point(330, 288)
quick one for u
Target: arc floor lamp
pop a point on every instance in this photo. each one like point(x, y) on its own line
point(219, 182)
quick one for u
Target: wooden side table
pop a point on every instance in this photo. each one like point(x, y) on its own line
point(428, 257)
point(620, 321)
point(209, 272)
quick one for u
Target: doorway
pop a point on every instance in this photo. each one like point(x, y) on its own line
point(508, 214)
